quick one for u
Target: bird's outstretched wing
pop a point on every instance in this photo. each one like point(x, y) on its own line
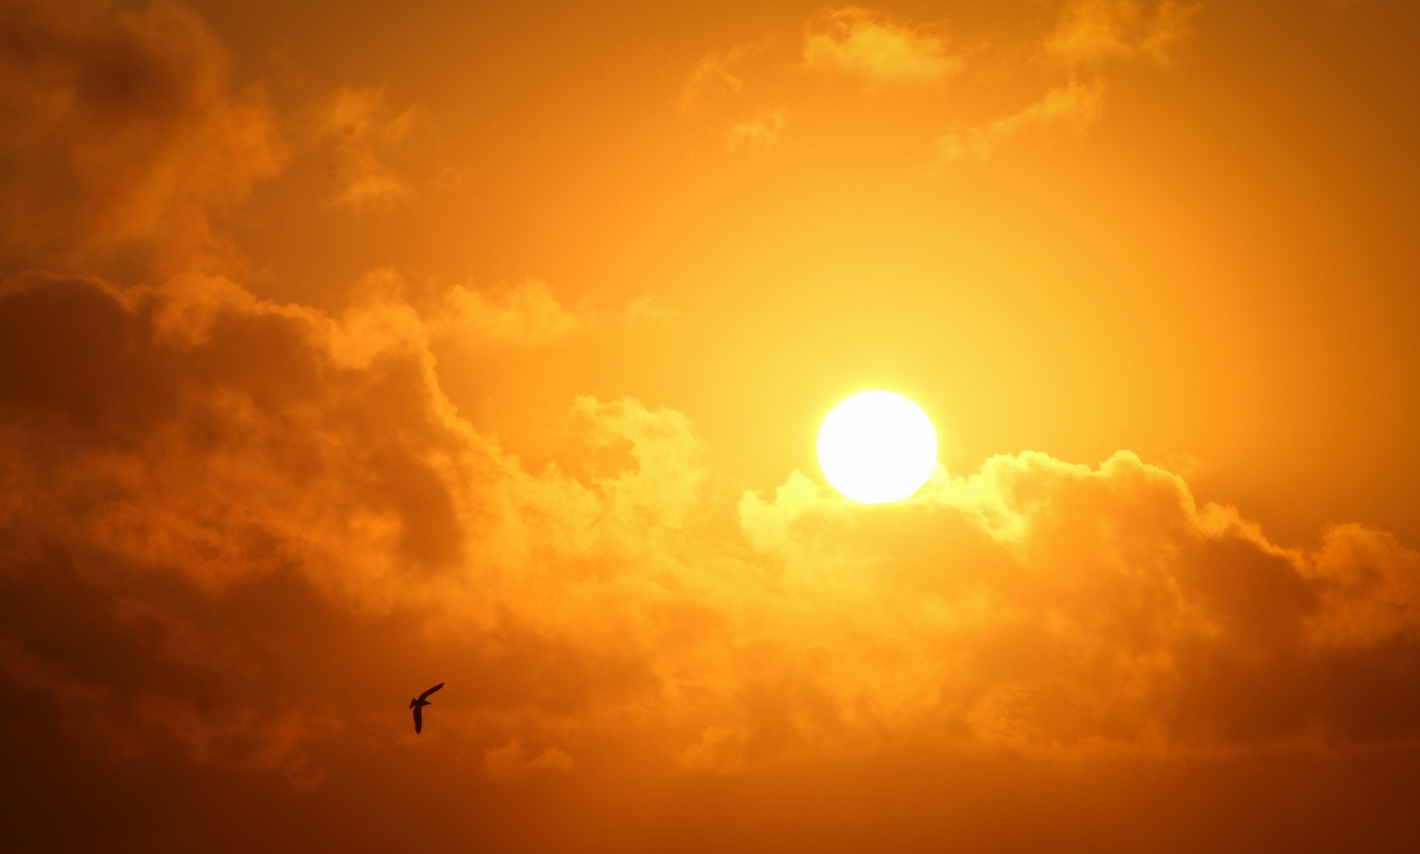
point(426, 694)
point(418, 719)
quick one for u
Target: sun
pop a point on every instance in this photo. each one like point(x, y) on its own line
point(877, 447)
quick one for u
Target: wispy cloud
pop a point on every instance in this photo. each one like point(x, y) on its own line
point(513, 762)
point(364, 132)
point(1093, 31)
point(1074, 106)
point(718, 76)
point(1088, 35)
point(524, 315)
point(756, 134)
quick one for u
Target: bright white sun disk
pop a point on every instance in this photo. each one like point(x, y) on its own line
point(877, 447)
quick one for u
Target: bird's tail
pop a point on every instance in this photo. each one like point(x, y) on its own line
point(412, 702)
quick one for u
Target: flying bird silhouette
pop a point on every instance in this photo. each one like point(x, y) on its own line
point(418, 707)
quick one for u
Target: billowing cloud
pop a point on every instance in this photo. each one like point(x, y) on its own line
point(1092, 31)
point(1076, 611)
point(120, 126)
point(876, 49)
point(196, 436)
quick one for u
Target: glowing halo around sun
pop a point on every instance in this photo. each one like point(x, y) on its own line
point(877, 447)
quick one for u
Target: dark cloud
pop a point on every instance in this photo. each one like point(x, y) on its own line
point(120, 130)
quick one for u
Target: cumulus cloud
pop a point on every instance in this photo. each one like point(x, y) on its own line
point(120, 126)
point(1074, 611)
point(199, 437)
point(876, 49)
point(1093, 31)
point(1074, 106)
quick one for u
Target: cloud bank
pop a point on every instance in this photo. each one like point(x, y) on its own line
point(196, 434)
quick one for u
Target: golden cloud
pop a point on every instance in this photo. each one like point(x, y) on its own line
point(524, 315)
point(221, 443)
point(876, 49)
point(1074, 106)
point(757, 134)
point(1092, 31)
point(717, 76)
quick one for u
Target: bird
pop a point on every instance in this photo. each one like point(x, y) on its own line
point(418, 707)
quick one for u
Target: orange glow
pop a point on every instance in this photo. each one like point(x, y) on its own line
point(352, 348)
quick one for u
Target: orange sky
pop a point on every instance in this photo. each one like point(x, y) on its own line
point(350, 347)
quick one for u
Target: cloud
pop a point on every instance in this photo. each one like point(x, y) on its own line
point(1094, 31)
point(121, 127)
point(525, 315)
point(876, 49)
point(1088, 33)
point(1074, 106)
point(511, 762)
point(713, 90)
point(1066, 610)
point(756, 134)
point(717, 76)
point(518, 317)
point(647, 310)
point(181, 459)
point(364, 131)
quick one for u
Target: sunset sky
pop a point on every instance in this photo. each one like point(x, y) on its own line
point(351, 347)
